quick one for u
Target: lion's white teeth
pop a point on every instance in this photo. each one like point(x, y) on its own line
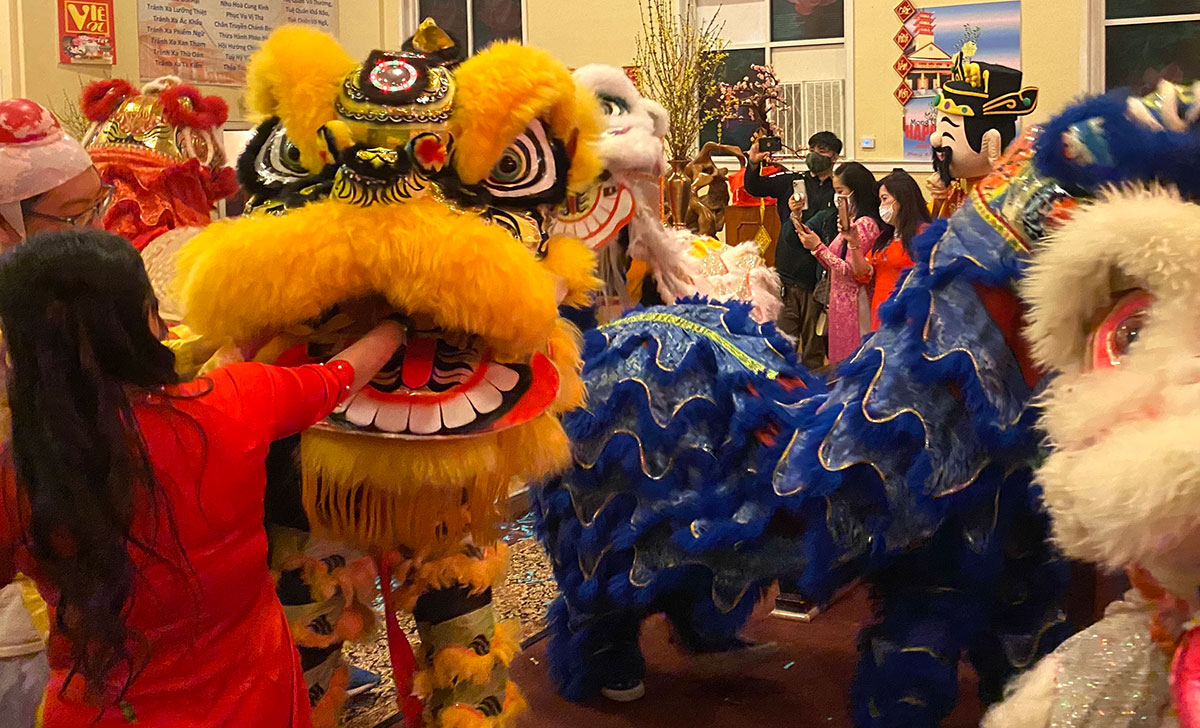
point(457, 411)
point(502, 377)
point(362, 411)
point(425, 419)
point(485, 397)
point(393, 416)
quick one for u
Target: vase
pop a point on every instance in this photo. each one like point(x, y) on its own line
point(677, 188)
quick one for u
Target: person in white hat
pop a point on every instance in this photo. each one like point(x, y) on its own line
point(47, 180)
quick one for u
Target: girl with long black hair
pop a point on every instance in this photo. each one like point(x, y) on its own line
point(905, 214)
point(857, 203)
point(136, 501)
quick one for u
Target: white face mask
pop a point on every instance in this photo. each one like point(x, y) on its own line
point(887, 214)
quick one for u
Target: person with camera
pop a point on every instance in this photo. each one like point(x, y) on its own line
point(809, 195)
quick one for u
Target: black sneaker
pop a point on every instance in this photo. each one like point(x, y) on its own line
point(624, 691)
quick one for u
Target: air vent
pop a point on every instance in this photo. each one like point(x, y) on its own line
point(813, 106)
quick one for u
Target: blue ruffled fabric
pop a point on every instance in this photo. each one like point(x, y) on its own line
point(670, 497)
point(922, 421)
point(913, 469)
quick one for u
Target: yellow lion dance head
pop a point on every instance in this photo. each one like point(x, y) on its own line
point(407, 184)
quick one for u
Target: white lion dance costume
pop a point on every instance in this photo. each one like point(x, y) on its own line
point(410, 186)
point(620, 217)
point(1113, 316)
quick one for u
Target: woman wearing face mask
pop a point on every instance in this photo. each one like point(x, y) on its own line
point(849, 311)
point(905, 215)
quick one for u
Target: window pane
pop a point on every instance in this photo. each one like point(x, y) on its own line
point(742, 22)
point(1139, 56)
point(807, 19)
point(1114, 9)
point(450, 15)
point(737, 65)
point(495, 20)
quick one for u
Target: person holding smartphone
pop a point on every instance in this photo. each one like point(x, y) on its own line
point(850, 274)
point(808, 197)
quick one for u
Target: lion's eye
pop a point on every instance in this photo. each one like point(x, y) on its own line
point(613, 106)
point(1120, 330)
point(527, 169)
point(278, 161)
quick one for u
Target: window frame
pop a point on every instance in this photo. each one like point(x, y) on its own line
point(846, 43)
point(1097, 38)
point(410, 19)
point(770, 45)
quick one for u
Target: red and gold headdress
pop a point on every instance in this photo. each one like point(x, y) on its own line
point(161, 150)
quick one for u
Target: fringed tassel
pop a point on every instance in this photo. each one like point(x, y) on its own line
point(466, 716)
point(328, 710)
point(479, 573)
point(427, 497)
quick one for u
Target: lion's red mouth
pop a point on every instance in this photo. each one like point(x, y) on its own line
point(442, 384)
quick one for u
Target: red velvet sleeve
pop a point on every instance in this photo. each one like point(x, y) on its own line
point(10, 519)
point(277, 402)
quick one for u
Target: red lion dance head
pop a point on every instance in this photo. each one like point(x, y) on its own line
point(161, 150)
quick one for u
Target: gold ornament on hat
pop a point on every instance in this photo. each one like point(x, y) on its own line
point(430, 38)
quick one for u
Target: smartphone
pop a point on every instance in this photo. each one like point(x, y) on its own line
point(800, 192)
point(770, 144)
point(843, 213)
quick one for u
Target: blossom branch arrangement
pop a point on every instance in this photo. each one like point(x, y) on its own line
point(70, 116)
point(755, 100)
point(679, 59)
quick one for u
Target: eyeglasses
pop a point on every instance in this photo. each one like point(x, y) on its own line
point(87, 216)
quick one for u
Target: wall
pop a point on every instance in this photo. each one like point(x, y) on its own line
point(1053, 56)
point(594, 31)
point(8, 55)
point(578, 32)
point(33, 39)
point(1052, 53)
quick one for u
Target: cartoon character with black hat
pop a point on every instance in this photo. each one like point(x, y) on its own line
point(977, 119)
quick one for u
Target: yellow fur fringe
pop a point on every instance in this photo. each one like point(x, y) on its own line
point(326, 713)
point(575, 263)
point(456, 663)
point(448, 571)
point(465, 716)
point(425, 258)
point(565, 349)
point(502, 90)
point(357, 622)
point(296, 75)
point(389, 493)
point(356, 579)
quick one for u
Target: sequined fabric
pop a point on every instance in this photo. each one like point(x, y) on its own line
point(1112, 675)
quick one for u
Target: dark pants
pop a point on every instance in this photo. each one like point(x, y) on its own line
point(798, 319)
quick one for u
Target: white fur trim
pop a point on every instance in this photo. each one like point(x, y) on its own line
point(160, 84)
point(1028, 699)
point(1147, 233)
point(1122, 481)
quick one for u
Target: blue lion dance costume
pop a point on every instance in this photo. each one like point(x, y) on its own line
point(708, 464)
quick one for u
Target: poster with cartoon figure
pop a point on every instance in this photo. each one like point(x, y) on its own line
point(989, 32)
point(85, 32)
